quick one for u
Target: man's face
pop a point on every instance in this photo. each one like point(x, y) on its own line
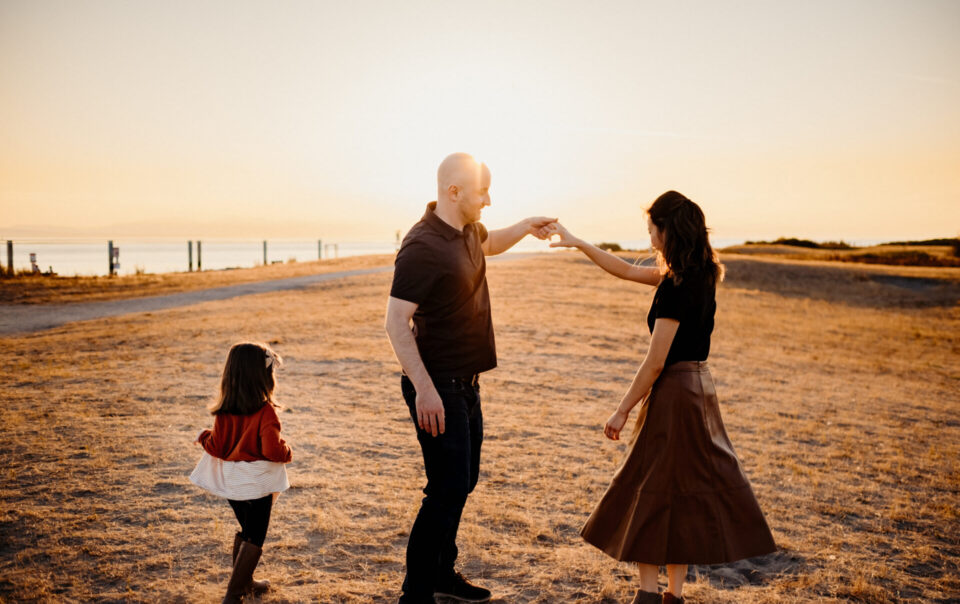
point(475, 196)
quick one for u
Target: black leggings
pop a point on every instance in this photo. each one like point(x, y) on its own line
point(254, 518)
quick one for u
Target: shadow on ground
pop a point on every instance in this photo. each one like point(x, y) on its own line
point(752, 571)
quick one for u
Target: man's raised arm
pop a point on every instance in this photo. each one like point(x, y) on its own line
point(501, 240)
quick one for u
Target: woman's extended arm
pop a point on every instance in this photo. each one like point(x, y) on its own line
point(663, 332)
point(618, 267)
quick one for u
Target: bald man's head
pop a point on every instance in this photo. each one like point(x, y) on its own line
point(458, 169)
point(463, 186)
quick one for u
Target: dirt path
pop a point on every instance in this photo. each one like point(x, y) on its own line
point(18, 319)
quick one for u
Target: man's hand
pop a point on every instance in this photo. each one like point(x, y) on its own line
point(430, 411)
point(536, 224)
point(614, 425)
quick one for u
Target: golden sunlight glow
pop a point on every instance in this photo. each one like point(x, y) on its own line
point(780, 119)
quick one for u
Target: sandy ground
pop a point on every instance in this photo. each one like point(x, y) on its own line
point(838, 389)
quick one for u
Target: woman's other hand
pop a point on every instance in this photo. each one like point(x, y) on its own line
point(614, 425)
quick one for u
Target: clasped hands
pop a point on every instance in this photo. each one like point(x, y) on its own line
point(545, 229)
point(554, 228)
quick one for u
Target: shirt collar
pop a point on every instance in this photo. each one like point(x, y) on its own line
point(430, 217)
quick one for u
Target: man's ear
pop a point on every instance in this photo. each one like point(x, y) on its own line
point(453, 191)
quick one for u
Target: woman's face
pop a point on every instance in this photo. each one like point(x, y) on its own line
point(656, 240)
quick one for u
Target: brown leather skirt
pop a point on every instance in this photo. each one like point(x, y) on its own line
point(680, 496)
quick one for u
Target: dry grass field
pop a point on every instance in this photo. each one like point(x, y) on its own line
point(838, 384)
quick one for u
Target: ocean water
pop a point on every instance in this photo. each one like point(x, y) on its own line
point(89, 258)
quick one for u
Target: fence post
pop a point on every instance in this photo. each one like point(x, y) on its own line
point(319, 249)
point(190, 256)
point(199, 263)
point(264, 252)
point(110, 256)
point(9, 257)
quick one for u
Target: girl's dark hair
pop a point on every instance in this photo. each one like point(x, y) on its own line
point(247, 384)
point(686, 245)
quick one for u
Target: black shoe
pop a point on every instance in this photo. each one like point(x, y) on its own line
point(458, 588)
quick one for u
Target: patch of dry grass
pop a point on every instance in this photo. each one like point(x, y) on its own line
point(38, 289)
point(842, 404)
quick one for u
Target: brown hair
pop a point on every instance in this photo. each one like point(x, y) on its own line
point(686, 243)
point(248, 381)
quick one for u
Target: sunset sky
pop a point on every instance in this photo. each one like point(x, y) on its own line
point(822, 119)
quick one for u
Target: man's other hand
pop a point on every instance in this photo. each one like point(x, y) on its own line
point(430, 416)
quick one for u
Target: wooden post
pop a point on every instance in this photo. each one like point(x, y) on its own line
point(9, 258)
point(336, 250)
point(190, 256)
point(199, 263)
point(264, 252)
point(319, 249)
point(110, 256)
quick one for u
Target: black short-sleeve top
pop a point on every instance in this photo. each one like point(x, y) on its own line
point(693, 304)
point(443, 271)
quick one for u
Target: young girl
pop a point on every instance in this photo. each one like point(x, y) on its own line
point(244, 456)
point(681, 496)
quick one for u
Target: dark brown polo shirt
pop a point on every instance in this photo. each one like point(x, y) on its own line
point(443, 271)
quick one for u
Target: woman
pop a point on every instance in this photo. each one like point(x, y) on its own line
point(680, 497)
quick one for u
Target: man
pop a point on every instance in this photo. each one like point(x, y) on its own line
point(440, 283)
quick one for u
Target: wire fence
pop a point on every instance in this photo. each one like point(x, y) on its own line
point(90, 257)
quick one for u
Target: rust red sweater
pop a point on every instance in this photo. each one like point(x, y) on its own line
point(247, 437)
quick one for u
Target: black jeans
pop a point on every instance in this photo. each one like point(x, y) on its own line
point(254, 518)
point(452, 463)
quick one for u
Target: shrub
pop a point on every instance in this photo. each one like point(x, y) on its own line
point(797, 242)
point(836, 245)
point(610, 247)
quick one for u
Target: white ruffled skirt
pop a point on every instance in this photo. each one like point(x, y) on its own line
point(239, 480)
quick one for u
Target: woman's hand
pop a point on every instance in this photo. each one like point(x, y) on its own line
point(616, 422)
point(567, 239)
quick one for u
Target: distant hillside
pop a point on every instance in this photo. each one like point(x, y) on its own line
point(827, 245)
point(951, 242)
point(843, 245)
point(930, 252)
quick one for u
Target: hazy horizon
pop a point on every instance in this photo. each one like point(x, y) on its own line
point(251, 231)
point(819, 120)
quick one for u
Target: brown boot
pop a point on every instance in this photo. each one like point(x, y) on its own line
point(669, 598)
point(256, 587)
point(646, 597)
point(247, 557)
